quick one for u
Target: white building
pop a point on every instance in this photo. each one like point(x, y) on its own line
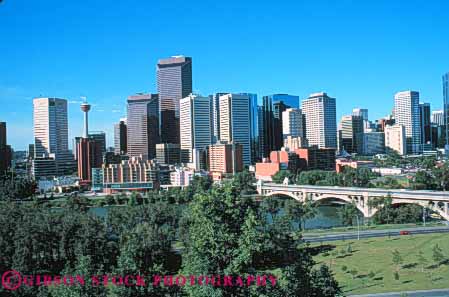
point(406, 112)
point(235, 122)
point(195, 124)
point(321, 120)
point(395, 139)
point(438, 117)
point(292, 123)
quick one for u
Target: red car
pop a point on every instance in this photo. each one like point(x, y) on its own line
point(404, 232)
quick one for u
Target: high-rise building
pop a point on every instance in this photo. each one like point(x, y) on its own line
point(120, 138)
point(446, 107)
point(373, 143)
point(425, 123)
point(235, 122)
point(351, 134)
point(292, 123)
point(270, 122)
point(5, 150)
point(168, 153)
point(321, 120)
point(51, 138)
point(406, 113)
point(361, 112)
point(143, 125)
point(438, 117)
point(395, 139)
point(254, 126)
point(195, 124)
point(174, 82)
point(215, 105)
point(99, 137)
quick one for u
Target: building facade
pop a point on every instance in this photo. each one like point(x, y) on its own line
point(195, 124)
point(351, 134)
point(292, 123)
point(373, 143)
point(168, 153)
point(120, 138)
point(320, 117)
point(143, 125)
point(174, 82)
point(225, 158)
point(5, 150)
point(425, 124)
point(395, 139)
point(406, 113)
point(235, 122)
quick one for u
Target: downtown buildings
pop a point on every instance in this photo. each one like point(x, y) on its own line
point(51, 152)
point(5, 149)
point(406, 113)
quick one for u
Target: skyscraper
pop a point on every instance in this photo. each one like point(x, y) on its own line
point(446, 107)
point(270, 128)
point(51, 138)
point(254, 126)
point(215, 105)
point(438, 117)
point(195, 125)
point(235, 122)
point(174, 82)
point(5, 150)
point(143, 125)
point(120, 138)
point(320, 117)
point(351, 134)
point(406, 112)
point(50, 126)
point(292, 123)
point(361, 112)
point(425, 124)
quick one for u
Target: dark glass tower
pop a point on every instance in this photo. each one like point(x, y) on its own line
point(425, 124)
point(143, 125)
point(174, 82)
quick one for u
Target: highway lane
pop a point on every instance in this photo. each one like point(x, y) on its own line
point(374, 233)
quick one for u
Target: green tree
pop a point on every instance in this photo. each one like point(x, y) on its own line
point(437, 254)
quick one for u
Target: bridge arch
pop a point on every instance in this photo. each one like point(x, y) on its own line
point(437, 207)
point(283, 193)
point(343, 198)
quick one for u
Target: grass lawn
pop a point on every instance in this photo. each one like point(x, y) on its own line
point(370, 267)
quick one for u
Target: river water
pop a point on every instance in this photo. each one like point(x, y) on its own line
point(327, 216)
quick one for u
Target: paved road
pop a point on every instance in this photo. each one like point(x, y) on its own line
point(375, 233)
point(431, 293)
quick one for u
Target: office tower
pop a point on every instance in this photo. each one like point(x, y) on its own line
point(270, 128)
point(51, 138)
point(174, 82)
point(216, 115)
point(351, 134)
point(143, 125)
point(293, 143)
point(89, 149)
point(254, 126)
point(438, 117)
point(168, 153)
point(195, 124)
point(50, 126)
point(292, 123)
point(321, 120)
point(373, 143)
point(100, 138)
point(316, 158)
point(425, 124)
point(225, 158)
point(120, 138)
point(406, 112)
point(235, 122)
point(361, 112)
point(446, 108)
point(395, 139)
point(5, 150)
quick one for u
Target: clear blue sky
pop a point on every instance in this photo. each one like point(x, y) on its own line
point(360, 52)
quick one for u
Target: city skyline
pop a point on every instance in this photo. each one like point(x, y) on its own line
point(363, 67)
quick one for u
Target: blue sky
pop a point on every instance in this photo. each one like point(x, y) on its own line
point(360, 52)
